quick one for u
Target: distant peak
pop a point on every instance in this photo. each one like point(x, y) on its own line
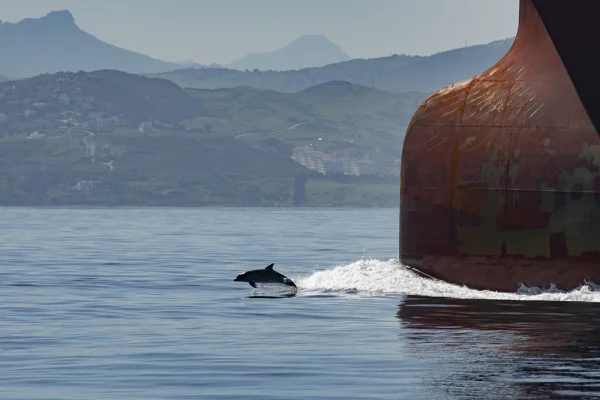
point(53, 20)
point(63, 16)
point(321, 38)
point(313, 40)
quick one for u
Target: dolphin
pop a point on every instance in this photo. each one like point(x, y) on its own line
point(267, 275)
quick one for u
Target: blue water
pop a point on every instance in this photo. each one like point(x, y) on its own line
point(140, 304)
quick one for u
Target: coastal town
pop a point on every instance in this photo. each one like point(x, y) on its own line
point(107, 137)
point(338, 163)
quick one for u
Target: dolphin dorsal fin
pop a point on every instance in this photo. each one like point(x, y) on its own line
point(270, 267)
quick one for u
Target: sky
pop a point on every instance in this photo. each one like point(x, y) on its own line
point(221, 31)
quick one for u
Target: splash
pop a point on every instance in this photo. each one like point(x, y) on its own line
point(381, 278)
point(273, 291)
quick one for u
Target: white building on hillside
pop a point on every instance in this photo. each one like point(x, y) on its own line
point(329, 165)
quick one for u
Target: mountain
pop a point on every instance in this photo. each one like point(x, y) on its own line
point(342, 114)
point(307, 51)
point(193, 64)
point(397, 73)
point(107, 92)
point(331, 116)
point(112, 138)
point(55, 43)
point(4, 78)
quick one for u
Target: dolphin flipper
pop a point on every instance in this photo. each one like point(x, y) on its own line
point(289, 282)
point(252, 284)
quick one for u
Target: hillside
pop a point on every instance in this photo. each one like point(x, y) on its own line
point(193, 64)
point(112, 138)
point(398, 73)
point(126, 167)
point(331, 116)
point(41, 101)
point(304, 52)
point(55, 43)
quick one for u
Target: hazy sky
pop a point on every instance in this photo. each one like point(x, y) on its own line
point(221, 31)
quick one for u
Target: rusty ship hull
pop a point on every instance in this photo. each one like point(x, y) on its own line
point(500, 175)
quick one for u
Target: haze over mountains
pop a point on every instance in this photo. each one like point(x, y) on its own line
point(112, 138)
point(121, 128)
point(305, 52)
point(55, 43)
point(194, 64)
point(397, 73)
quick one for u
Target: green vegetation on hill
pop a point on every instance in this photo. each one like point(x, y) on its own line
point(111, 138)
point(331, 116)
point(160, 168)
point(103, 92)
point(169, 168)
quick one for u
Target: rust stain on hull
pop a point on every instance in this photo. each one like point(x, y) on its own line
point(500, 180)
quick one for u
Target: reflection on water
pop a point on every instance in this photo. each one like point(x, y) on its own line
point(506, 349)
point(139, 304)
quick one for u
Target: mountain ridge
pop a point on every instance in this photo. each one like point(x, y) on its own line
point(112, 138)
point(305, 52)
point(55, 43)
point(396, 73)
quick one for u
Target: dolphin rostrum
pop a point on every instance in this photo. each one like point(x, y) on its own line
point(267, 275)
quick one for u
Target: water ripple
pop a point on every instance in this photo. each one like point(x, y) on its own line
point(140, 304)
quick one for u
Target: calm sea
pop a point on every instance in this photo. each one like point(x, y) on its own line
point(141, 304)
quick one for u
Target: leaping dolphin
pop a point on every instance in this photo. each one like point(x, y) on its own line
point(267, 275)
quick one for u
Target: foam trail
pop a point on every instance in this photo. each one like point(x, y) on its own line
point(377, 278)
